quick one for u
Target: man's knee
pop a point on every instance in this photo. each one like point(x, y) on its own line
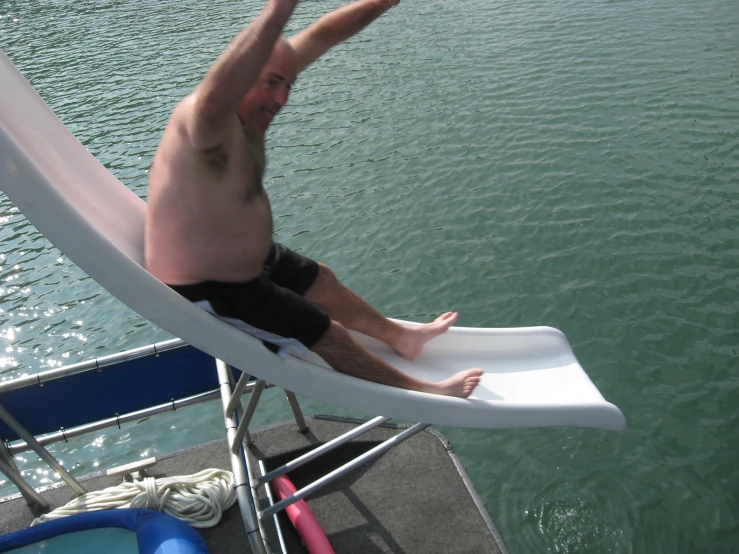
point(323, 285)
point(334, 336)
point(326, 274)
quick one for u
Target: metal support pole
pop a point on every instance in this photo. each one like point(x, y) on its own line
point(246, 459)
point(241, 480)
point(44, 454)
point(343, 470)
point(236, 395)
point(297, 413)
point(275, 519)
point(319, 451)
point(243, 429)
point(34, 501)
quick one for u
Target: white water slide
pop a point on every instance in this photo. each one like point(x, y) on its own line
point(531, 379)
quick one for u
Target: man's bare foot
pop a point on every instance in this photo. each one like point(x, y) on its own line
point(410, 343)
point(461, 384)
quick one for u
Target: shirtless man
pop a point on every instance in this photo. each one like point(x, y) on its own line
point(209, 222)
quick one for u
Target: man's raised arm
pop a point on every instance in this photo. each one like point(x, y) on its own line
point(336, 27)
point(218, 96)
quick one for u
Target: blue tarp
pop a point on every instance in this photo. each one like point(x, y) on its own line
point(113, 390)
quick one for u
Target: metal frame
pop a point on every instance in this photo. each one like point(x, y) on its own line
point(44, 454)
point(35, 502)
point(239, 441)
point(248, 474)
point(28, 441)
point(90, 365)
point(18, 447)
point(238, 465)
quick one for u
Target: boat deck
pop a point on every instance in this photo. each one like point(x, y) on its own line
point(416, 498)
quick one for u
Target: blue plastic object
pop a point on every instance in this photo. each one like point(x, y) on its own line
point(156, 533)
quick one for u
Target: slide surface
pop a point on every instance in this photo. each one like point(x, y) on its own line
point(532, 378)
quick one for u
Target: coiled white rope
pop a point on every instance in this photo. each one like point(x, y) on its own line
point(198, 499)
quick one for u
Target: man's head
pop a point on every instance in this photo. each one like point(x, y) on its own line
point(271, 90)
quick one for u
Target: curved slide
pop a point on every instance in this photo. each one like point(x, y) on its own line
point(532, 378)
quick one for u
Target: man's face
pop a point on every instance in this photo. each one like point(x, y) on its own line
point(270, 92)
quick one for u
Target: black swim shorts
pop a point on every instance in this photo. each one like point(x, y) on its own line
point(270, 307)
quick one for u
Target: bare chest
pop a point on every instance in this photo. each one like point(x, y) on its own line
point(239, 166)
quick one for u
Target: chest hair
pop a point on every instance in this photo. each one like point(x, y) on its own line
point(217, 159)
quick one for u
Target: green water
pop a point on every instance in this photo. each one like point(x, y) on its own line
point(525, 163)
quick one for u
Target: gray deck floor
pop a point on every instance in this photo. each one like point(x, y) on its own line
point(412, 499)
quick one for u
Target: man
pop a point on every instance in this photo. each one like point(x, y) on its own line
point(209, 222)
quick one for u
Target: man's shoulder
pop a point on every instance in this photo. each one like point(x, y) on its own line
point(184, 122)
point(183, 111)
point(179, 144)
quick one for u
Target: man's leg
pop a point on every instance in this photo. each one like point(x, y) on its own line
point(344, 306)
point(343, 354)
point(294, 300)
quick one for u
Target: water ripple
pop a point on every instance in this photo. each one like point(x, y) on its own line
point(525, 163)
